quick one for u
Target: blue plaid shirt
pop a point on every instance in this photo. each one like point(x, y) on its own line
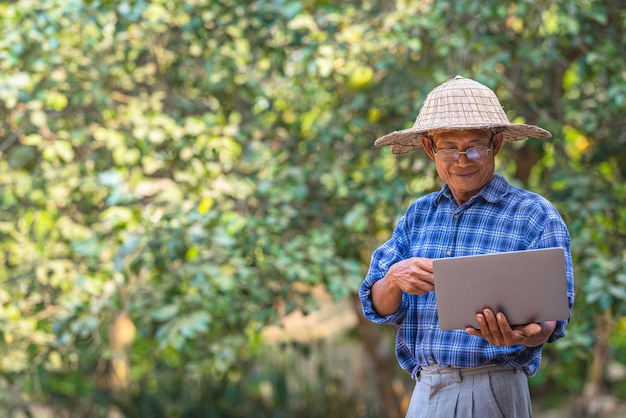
point(499, 218)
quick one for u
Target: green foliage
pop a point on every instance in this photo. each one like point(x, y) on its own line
point(199, 165)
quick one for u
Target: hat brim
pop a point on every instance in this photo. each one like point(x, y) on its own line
point(410, 139)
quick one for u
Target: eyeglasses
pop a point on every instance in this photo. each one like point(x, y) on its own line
point(450, 155)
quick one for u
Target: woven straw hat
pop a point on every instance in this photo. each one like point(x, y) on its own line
point(459, 104)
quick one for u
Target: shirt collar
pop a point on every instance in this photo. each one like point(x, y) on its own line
point(493, 191)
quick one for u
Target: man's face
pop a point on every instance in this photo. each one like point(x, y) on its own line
point(465, 177)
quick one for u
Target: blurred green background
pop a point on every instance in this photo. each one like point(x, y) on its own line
point(190, 195)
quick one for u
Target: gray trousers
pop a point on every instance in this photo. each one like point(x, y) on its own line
point(480, 392)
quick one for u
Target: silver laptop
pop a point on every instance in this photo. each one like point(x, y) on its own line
point(527, 286)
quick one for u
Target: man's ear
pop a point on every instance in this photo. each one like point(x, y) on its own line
point(497, 142)
point(428, 147)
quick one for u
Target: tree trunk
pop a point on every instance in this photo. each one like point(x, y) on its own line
point(594, 400)
point(525, 159)
point(121, 335)
point(384, 363)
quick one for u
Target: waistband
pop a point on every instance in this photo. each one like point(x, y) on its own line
point(426, 371)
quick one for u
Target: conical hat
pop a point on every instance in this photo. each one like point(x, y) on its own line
point(459, 104)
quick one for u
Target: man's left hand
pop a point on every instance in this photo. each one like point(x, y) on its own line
point(495, 328)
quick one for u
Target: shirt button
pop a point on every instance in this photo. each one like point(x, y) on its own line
point(448, 253)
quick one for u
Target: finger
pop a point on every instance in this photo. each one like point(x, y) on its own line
point(491, 320)
point(425, 264)
point(427, 276)
point(485, 332)
point(531, 329)
point(503, 323)
point(428, 265)
point(473, 331)
point(424, 287)
point(417, 286)
point(497, 337)
point(509, 336)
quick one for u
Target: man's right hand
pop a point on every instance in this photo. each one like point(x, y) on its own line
point(413, 275)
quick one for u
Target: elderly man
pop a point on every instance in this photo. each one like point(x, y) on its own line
point(471, 372)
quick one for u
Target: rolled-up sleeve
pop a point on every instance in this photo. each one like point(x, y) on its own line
point(365, 294)
point(556, 234)
point(392, 251)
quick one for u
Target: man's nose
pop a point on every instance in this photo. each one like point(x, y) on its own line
point(463, 160)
